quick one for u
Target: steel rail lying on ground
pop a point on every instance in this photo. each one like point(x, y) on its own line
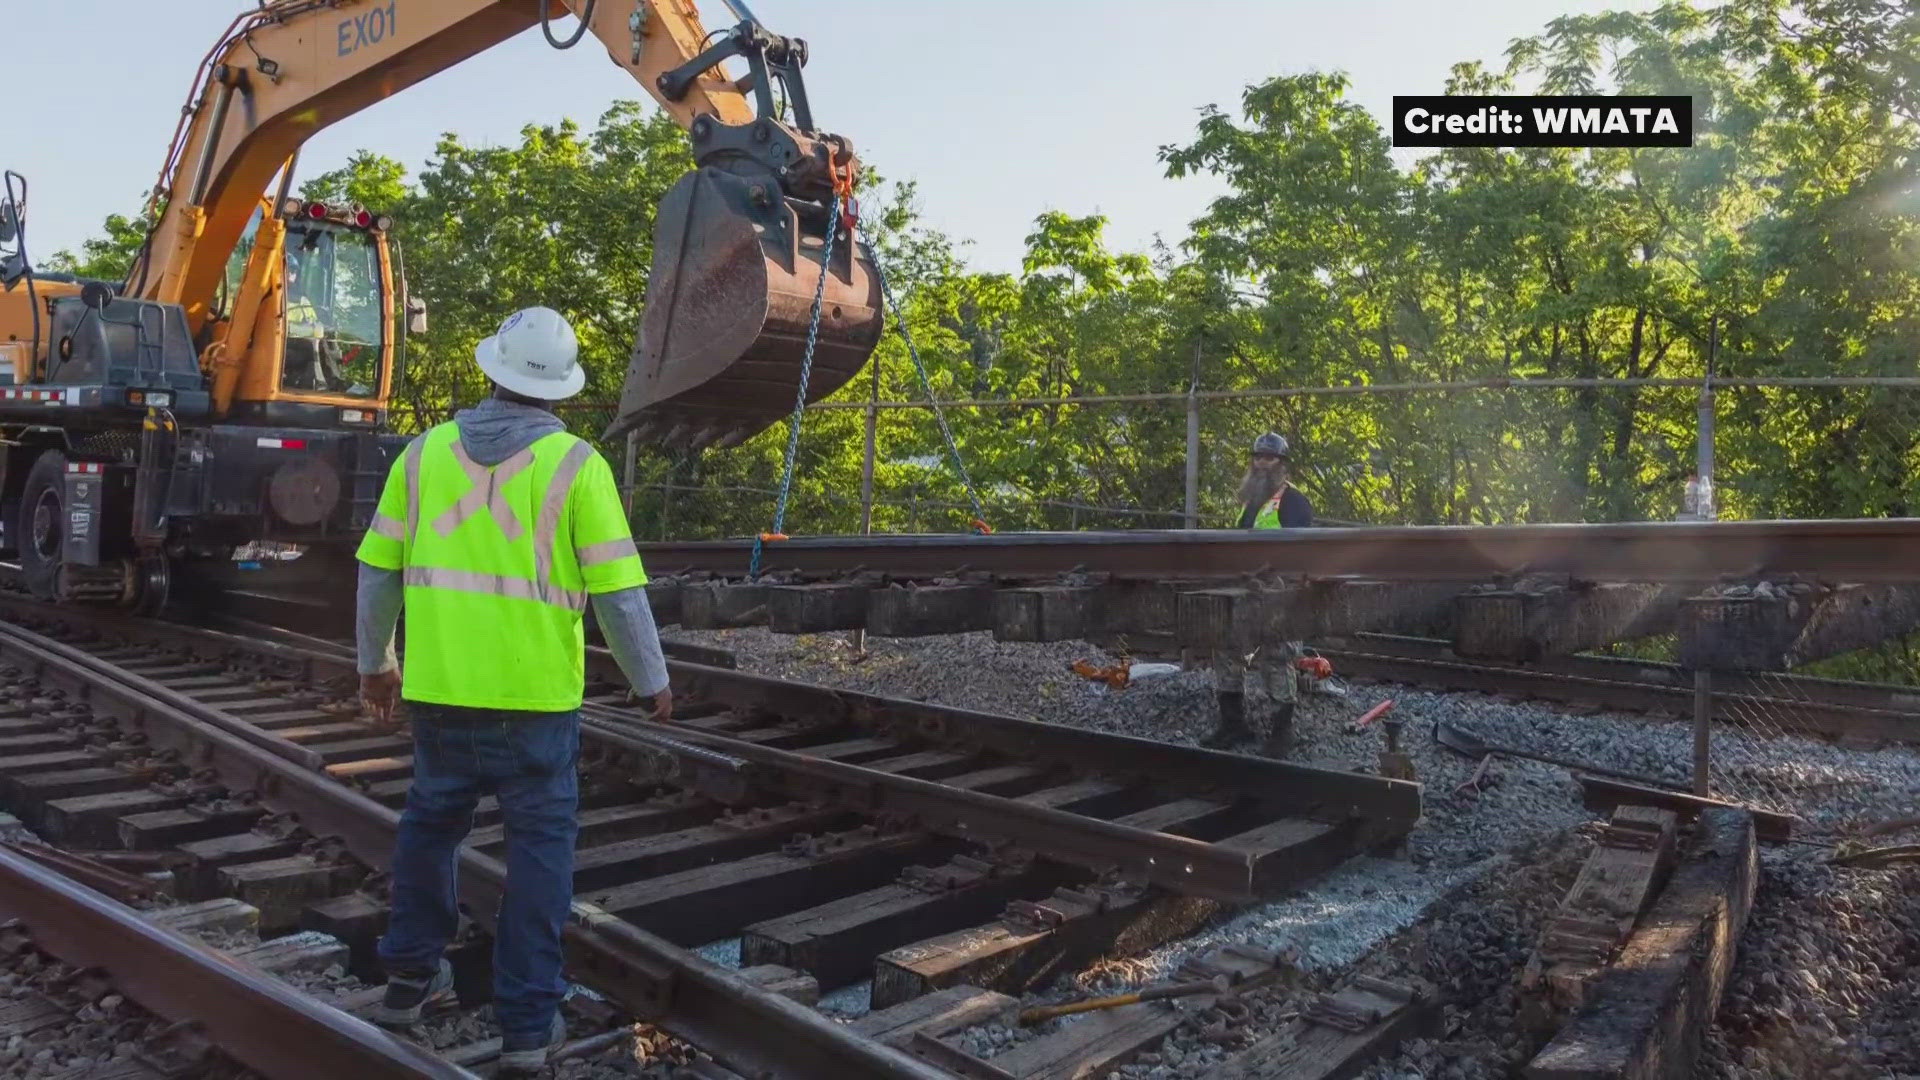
point(254, 1018)
point(1828, 707)
point(1854, 551)
point(747, 1027)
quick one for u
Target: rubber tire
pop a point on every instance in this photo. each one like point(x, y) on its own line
point(42, 573)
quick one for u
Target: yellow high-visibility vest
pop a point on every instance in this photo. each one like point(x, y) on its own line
point(1269, 516)
point(498, 562)
point(303, 319)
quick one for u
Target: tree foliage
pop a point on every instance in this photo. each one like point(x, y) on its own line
point(107, 257)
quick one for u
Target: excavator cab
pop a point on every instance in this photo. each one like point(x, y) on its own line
point(324, 347)
point(336, 312)
point(751, 269)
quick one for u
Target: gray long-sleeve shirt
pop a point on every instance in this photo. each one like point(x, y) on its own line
point(492, 432)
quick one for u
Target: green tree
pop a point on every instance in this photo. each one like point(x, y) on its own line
point(107, 257)
point(372, 180)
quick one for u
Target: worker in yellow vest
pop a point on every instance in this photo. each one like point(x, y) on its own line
point(305, 366)
point(1267, 501)
point(494, 531)
point(303, 319)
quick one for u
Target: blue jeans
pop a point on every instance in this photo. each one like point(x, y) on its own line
point(528, 762)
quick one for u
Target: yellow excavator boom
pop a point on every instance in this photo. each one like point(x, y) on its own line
point(738, 247)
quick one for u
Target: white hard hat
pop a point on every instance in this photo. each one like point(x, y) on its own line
point(535, 354)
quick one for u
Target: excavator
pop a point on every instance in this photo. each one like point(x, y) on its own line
point(231, 395)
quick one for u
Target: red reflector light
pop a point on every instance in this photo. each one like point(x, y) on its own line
point(317, 211)
point(363, 219)
point(293, 444)
point(267, 442)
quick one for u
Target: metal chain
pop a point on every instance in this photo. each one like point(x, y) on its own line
point(926, 386)
point(800, 399)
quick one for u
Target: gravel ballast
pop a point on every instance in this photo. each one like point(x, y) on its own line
point(1829, 951)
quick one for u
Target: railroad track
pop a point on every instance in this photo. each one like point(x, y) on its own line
point(1826, 708)
point(254, 1021)
point(838, 837)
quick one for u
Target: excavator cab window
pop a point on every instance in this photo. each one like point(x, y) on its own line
point(335, 311)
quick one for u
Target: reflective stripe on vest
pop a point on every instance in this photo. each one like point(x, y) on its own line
point(551, 506)
point(488, 492)
point(438, 577)
point(607, 551)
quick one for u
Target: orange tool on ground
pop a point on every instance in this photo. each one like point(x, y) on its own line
point(1115, 676)
point(1368, 717)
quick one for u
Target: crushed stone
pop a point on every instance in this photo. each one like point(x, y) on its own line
point(1483, 868)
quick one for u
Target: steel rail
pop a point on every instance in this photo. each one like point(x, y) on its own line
point(1841, 693)
point(1853, 551)
point(1831, 708)
point(241, 605)
point(254, 1018)
point(743, 1025)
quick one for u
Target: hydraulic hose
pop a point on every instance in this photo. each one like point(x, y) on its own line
point(546, 25)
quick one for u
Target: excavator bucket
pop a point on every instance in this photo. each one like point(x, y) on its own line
point(723, 338)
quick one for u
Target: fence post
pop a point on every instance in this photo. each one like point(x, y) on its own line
point(1702, 723)
point(1707, 507)
point(866, 477)
point(1192, 507)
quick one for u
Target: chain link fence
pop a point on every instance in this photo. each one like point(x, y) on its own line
point(1764, 751)
point(1490, 453)
point(1755, 752)
point(1438, 454)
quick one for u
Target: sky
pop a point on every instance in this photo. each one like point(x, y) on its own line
point(999, 109)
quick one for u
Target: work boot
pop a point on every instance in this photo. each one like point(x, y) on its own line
point(1233, 722)
point(518, 1060)
point(1279, 740)
point(409, 994)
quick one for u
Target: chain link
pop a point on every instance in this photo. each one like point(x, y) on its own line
point(926, 386)
point(800, 399)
